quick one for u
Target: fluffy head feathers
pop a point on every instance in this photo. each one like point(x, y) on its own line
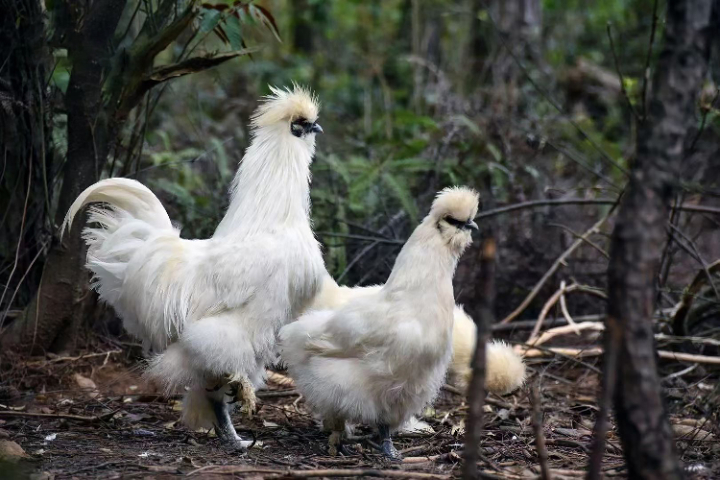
point(286, 105)
point(457, 202)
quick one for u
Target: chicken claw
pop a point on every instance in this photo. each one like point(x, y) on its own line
point(337, 428)
point(242, 390)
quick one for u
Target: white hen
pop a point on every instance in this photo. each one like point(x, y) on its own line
point(380, 358)
point(213, 307)
point(505, 369)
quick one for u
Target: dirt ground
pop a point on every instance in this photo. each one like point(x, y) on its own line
point(92, 417)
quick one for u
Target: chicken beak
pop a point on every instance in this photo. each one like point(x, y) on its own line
point(316, 128)
point(472, 225)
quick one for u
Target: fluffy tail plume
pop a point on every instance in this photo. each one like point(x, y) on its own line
point(505, 370)
point(126, 216)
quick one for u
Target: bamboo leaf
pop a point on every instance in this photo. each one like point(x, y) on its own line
point(264, 17)
point(234, 32)
point(210, 19)
point(402, 193)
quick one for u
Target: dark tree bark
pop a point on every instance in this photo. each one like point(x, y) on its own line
point(60, 299)
point(483, 316)
point(637, 243)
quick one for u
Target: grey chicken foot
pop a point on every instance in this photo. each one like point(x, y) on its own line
point(386, 444)
point(224, 428)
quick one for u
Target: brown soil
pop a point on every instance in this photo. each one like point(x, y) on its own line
point(123, 429)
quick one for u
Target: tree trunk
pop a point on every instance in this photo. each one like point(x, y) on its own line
point(483, 316)
point(64, 284)
point(638, 240)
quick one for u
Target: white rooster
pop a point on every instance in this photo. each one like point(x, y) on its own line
point(505, 369)
point(211, 309)
point(380, 358)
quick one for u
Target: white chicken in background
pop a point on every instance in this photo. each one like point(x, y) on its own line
point(505, 370)
point(211, 309)
point(381, 357)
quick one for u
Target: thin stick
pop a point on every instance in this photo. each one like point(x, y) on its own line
point(581, 201)
point(537, 422)
point(577, 235)
point(619, 72)
point(80, 418)
point(646, 70)
point(287, 473)
point(72, 359)
point(566, 312)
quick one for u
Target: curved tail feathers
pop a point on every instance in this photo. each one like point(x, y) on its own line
point(126, 197)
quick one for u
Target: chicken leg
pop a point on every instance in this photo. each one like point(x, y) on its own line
point(386, 446)
point(224, 428)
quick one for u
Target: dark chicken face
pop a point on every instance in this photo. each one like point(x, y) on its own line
point(301, 127)
point(468, 224)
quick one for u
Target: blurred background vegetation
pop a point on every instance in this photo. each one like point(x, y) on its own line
point(521, 99)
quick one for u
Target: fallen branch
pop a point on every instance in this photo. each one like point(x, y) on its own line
point(287, 473)
point(79, 418)
point(597, 351)
point(72, 359)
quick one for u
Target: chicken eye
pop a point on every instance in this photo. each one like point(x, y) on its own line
point(297, 129)
point(455, 222)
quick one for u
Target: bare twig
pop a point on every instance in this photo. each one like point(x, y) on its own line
point(536, 289)
point(558, 295)
point(646, 70)
point(577, 235)
point(581, 201)
point(72, 359)
point(619, 72)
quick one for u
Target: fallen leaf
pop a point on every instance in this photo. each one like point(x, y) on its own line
point(10, 450)
point(42, 476)
point(86, 385)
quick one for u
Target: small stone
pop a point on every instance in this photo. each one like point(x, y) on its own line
point(10, 450)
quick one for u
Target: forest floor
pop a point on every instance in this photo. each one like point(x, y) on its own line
point(92, 417)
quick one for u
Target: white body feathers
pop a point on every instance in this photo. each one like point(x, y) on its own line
point(213, 307)
point(382, 356)
point(505, 370)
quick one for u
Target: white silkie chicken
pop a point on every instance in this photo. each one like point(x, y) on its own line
point(380, 358)
point(505, 369)
point(211, 309)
